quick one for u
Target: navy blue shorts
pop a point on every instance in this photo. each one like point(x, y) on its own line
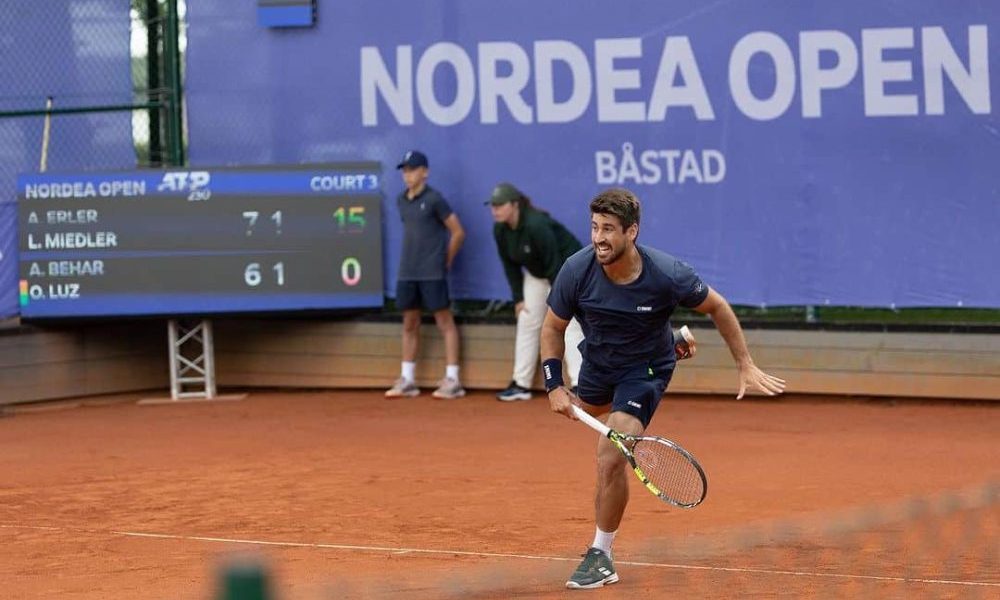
point(430, 295)
point(634, 390)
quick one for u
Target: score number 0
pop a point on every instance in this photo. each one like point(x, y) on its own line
point(350, 272)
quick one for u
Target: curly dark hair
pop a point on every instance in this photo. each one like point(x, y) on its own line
point(618, 202)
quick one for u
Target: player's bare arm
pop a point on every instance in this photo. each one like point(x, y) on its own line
point(457, 237)
point(553, 342)
point(751, 377)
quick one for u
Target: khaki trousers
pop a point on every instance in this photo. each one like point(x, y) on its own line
point(529, 333)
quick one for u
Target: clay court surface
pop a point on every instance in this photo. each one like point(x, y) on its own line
point(347, 495)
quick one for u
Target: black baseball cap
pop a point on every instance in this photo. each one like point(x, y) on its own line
point(413, 159)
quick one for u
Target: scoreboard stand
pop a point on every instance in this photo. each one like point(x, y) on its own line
point(192, 364)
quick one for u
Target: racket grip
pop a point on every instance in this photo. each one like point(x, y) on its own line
point(591, 421)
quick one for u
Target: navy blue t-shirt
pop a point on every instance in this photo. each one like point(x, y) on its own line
point(625, 324)
point(424, 255)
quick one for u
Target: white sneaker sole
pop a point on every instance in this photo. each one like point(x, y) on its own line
point(409, 394)
point(515, 397)
point(613, 578)
point(458, 394)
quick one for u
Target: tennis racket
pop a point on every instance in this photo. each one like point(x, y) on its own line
point(666, 469)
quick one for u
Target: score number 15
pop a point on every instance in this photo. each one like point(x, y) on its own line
point(351, 218)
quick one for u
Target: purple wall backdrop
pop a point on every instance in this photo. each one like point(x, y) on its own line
point(794, 152)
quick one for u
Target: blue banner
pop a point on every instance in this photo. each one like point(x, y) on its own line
point(71, 53)
point(793, 152)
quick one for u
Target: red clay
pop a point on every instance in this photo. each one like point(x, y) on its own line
point(407, 482)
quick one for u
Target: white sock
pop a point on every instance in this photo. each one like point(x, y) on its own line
point(409, 370)
point(603, 541)
point(451, 372)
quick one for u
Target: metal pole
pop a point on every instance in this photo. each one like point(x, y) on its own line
point(43, 162)
point(208, 350)
point(175, 384)
point(153, 79)
point(172, 71)
point(75, 110)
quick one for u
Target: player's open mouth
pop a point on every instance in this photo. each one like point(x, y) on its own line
point(602, 249)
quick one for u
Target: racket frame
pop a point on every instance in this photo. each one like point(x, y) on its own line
point(620, 440)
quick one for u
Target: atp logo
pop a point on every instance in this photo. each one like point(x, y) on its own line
point(194, 182)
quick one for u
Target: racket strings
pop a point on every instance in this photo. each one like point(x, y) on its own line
point(671, 471)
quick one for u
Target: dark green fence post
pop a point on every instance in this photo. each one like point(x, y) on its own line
point(172, 72)
point(153, 36)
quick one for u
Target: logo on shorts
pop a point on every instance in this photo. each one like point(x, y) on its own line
point(634, 404)
point(644, 309)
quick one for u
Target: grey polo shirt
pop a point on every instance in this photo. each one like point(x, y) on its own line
point(425, 237)
point(628, 324)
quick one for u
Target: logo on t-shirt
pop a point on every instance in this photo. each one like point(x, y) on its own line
point(527, 249)
point(643, 309)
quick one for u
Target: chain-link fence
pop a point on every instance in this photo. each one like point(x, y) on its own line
point(97, 86)
point(89, 84)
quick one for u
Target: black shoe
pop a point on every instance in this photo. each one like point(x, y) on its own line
point(513, 393)
point(595, 571)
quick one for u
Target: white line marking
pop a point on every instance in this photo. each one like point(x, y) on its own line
point(398, 550)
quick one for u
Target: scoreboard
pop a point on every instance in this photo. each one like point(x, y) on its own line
point(200, 241)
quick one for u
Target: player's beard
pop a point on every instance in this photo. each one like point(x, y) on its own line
point(613, 255)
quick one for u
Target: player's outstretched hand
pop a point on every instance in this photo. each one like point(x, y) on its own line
point(751, 377)
point(561, 401)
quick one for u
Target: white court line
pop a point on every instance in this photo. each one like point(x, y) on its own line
point(400, 550)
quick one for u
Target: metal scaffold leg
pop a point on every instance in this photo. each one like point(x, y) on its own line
point(192, 368)
point(192, 363)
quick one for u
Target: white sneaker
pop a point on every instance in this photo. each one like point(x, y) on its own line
point(449, 388)
point(403, 388)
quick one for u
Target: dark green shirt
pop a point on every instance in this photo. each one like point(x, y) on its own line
point(539, 243)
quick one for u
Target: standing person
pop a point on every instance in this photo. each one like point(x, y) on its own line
point(623, 295)
point(533, 247)
point(432, 236)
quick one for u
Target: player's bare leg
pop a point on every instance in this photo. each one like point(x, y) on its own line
point(612, 476)
point(610, 501)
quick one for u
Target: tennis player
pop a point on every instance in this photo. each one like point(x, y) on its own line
point(623, 294)
point(532, 247)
